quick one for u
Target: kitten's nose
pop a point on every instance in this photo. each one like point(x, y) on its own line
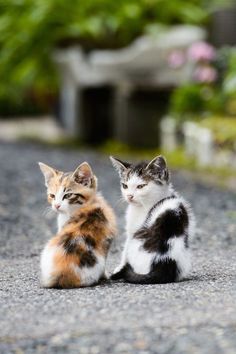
point(57, 206)
point(130, 197)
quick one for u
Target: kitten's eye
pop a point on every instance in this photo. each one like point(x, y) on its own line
point(124, 185)
point(67, 196)
point(52, 196)
point(140, 186)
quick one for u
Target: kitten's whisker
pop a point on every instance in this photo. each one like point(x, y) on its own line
point(48, 211)
point(120, 201)
point(44, 212)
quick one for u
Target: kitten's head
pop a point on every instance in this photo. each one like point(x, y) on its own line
point(142, 182)
point(68, 191)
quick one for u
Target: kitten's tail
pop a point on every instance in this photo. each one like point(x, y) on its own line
point(163, 272)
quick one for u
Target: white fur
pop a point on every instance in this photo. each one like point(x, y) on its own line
point(64, 205)
point(181, 255)
point(47, 265)
point(61, 220)
point(146, 196)
point(138, 258)
point(66, 209)
point(135, 217)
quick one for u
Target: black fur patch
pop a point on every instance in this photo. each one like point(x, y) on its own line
point(167, 270)
point(68, 243)
point(76, 199)
point(90, 241)
point(72, 246)
point(153, 241)
point(162, 272)
point(93, 218)
point(169, 224)
point(88, 259)
point(97, 215)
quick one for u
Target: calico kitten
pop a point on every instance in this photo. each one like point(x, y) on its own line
point(158, 225)
point(76, 256)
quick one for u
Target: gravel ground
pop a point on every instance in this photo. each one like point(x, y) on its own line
point(193, 316)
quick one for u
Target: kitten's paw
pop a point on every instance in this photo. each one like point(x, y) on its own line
point(115, 276)
point(105, 276)
point(118, 269)
point(118, 273)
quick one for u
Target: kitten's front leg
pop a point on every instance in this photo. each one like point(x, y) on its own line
point(118, 271)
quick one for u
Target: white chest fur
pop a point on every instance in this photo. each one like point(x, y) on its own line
point(135, 254)
point(135, 217)
point(61, 220)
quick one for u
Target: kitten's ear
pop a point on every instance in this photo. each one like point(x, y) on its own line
point(119, 165)
point(159, 167)
point(48, 172)
point(158, 161)
point(83, 175)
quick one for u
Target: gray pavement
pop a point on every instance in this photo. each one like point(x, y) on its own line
point(195, 316)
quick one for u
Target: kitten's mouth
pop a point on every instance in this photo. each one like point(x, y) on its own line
point(132, 201)
point(58, 211)
point(61, 211)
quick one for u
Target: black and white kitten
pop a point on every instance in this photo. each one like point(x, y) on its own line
point(159, 224)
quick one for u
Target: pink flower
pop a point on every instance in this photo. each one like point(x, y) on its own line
point(205, 74)
point(176, 59)
point(201, 51)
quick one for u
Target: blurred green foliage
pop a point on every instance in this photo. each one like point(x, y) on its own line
point(191, 99)
point(31, 29)
point(229, 84)
point(196, 99)
point(223, 129)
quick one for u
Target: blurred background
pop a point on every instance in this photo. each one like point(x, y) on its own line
point(84, 79)
point(143, 75)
